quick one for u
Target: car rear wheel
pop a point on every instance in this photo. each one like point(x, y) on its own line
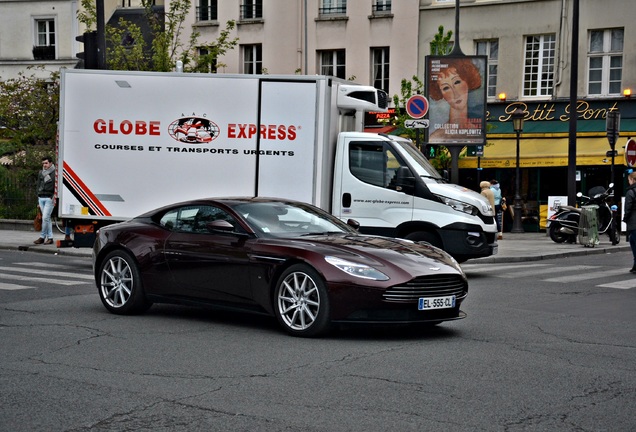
point(120, 287)
point(302, 306)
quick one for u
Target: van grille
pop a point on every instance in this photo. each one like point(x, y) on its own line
point(427, 286)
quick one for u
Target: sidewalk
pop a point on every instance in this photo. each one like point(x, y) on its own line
point(529, 246)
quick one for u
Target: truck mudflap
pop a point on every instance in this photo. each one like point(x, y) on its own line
point(464, 244)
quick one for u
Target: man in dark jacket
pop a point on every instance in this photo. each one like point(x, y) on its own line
point(630, 214)
point(46, 191)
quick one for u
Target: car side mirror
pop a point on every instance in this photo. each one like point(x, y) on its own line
point(353, 224)
point(219, 225)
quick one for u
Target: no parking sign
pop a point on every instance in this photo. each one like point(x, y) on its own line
point(417, 106)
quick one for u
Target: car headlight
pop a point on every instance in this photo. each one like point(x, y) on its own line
point(459, 205)
point(356, 269)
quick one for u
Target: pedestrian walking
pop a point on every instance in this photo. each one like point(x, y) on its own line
point(46, 191)
point(486, 192)
point(629, 214)
point(496, 190)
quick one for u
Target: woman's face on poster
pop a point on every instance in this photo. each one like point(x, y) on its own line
point(454, 89)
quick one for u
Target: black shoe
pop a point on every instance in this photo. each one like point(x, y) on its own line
point(39, 241)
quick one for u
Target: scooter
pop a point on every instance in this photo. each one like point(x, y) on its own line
point(564, 224)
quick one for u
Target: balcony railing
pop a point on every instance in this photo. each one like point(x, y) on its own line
point(44, 52)
point(209, 13)
point(333, 10)
point(251, 11)
point(381, 7)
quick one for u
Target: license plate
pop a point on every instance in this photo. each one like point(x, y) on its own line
point(428, 303)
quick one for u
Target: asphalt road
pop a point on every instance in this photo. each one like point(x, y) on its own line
point(547, 345)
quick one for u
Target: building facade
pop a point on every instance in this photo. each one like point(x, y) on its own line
point(37, 34)
point(368, 41)
point(529, 49)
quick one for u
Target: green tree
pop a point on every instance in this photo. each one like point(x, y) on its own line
point(127, 49)
point(408, 88)
point(28, 127)
point(441, 43)
point(29, 111)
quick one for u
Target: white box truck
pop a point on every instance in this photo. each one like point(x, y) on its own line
point(133, 141)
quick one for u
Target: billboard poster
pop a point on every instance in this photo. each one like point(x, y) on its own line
point(456, 90)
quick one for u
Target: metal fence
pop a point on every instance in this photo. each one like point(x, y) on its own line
point(18, 198)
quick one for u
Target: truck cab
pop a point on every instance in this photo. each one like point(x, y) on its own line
point(388, 186)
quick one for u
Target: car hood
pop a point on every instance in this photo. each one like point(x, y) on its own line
point(380, 251)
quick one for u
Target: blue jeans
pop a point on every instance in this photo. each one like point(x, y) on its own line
point(46, 206)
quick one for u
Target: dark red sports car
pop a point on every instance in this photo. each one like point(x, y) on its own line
point(275, 257)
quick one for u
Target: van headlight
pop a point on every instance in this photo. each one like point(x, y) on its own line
point(459, 205)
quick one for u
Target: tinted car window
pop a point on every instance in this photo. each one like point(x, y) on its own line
point(195, 219)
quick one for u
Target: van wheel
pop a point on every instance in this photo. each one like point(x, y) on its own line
point(425, 236)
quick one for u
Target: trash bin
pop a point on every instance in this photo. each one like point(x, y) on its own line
point(588, 226)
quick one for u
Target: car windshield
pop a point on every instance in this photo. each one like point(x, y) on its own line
point(278, 219)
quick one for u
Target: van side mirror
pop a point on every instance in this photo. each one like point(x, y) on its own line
point(404, 180)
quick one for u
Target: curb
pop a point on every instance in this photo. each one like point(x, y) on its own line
point(582, 251)
point(48, 250)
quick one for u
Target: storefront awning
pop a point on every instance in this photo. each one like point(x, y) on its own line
point(544, 152)
point(380, 129)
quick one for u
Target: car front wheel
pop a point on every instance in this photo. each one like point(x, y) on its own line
point(302, 305)
point(120, 287)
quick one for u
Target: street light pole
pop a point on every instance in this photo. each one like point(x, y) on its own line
point(517, 123)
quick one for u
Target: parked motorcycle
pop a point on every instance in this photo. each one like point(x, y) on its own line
point(564, 224)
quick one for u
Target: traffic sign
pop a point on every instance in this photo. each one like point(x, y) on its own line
point(417, 106)
point(630, 152)
point(416, 124)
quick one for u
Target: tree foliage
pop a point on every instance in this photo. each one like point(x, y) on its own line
point(126, 48)
point(441, 43)
point(28, 127)
point(29, 111)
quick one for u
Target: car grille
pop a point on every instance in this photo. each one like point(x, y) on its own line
point(429, 286)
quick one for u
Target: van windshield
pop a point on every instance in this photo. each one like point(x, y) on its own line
point(418, 162)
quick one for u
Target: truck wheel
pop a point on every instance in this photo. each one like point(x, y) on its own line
point(301, 302)
point(120, 287)
point(425, 236)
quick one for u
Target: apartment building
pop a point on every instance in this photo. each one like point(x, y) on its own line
point(37, 33)
point(529, 49)
point(369, 41)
